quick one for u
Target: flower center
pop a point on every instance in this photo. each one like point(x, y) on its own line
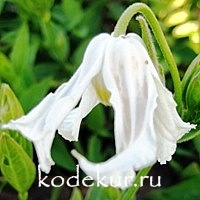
point(102, 92)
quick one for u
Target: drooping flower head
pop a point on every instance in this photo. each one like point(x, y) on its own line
point(116, 72)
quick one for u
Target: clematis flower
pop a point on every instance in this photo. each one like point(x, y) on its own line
point(116, 72)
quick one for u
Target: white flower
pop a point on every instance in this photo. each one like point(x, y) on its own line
point(117, 72)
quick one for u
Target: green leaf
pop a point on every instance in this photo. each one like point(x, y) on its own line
point(99, 193)
point(36, 91)
point(131, 192)
point(79, 52)
point(21, 50)
point(1, 5)
point(112, 193)
point(187, 190)
point(97, 117)
point(193, 169)
point(55, 41)
point(23, 68)
point(2, 183)
point(10, 108)
point(73, 13)
point(6, 70)
point(34, 7)
point(16, 166)
point(76, 194)
point(61, 155)
point(196, 142)
point(18, 71)
point(86, 27)
point(94, 149)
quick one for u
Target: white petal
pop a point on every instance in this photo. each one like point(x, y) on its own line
point(112, 172)
point(133, 94)
point(31, 125)
point(56, 106)
point(70, 126)
point(169, 127)
point(167, 124)
point(140, 103)
point(43, 149)
point(40, 124)
point(75, 88)
point(133, 97)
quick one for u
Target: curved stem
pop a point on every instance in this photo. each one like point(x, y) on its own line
point(148, 40)
point(120, 29)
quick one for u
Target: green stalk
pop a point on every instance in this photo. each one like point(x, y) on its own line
point(120, 29)
point(148, 40)
point(130, 193)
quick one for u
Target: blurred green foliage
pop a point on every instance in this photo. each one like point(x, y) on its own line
point(42, 43)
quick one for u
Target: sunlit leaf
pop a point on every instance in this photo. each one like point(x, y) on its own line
point(177, 17)
point(185, 29)
point(16, 165)
point(10, 108)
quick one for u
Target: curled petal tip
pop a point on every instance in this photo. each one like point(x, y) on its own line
point(4, 126)
point(193, 126)
point(76, 154)
point(46, 168)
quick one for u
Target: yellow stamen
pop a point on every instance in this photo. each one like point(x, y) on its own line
point(102, 92)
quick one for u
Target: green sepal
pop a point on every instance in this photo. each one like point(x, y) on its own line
point(192, 134)
point(191, 72)
point(191, 97)
point(193, 93)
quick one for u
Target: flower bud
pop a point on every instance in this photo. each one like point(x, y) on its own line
point(192, 94)
point(191, 88)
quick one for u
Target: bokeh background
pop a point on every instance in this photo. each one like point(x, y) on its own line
point(42, 43)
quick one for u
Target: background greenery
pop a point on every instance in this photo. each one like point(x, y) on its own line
point(42, 43)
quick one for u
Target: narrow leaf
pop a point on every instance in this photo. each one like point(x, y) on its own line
point(20, 51)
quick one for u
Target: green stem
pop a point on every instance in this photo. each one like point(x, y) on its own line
point(130, 193)
point(148, 40)
point(120, 29)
